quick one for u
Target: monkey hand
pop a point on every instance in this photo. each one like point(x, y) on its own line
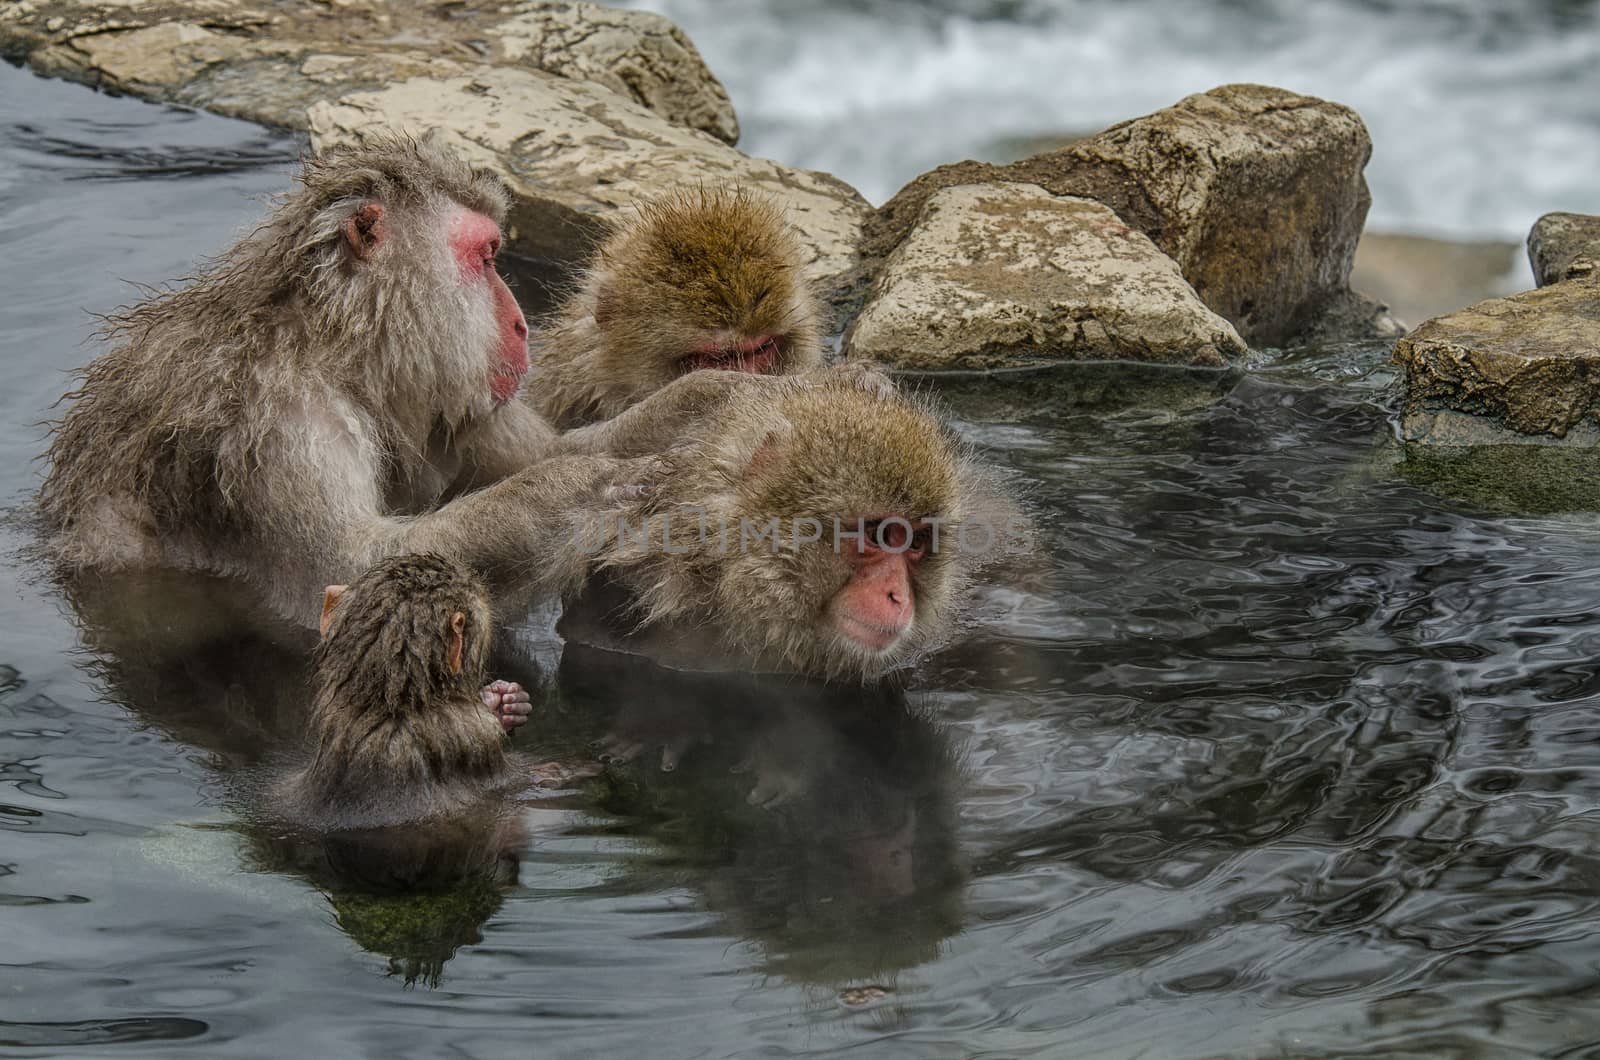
point(867, 376)
point(508, 702)
point(634, 480)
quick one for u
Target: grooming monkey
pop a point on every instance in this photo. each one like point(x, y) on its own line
point(398, 698)
point(825, 524)
point(704, 278)
point(303, 407)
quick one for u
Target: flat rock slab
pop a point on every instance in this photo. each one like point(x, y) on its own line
point(1256, 192)
point(574, 152)
point(1005, 275)
point(1523, 369)
point(1564, 246)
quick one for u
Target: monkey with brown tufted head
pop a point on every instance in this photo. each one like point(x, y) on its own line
point(826, 525)
point(704, 278)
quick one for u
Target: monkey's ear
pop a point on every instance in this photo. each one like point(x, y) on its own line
point(330, 600)
point(458, 640)
point(365, 229)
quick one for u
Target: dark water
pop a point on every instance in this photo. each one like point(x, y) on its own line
point(1275, 754)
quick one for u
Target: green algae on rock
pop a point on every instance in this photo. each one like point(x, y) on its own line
point(1507, 479)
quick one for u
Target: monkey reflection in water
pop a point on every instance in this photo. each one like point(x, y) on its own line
point(818, 819)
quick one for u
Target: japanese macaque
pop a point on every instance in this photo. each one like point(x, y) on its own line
point(301, 409)
point(706, 278)
point(824, 525)
point(398, 718)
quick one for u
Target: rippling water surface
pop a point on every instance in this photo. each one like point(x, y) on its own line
point(1271, 753)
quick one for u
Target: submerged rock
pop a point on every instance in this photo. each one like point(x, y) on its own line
point(1523, 369)
point(1004, 275)
point(1256, 192)
point(1564, 246)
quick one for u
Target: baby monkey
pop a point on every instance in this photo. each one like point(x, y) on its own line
point(705, 278)
point(398, 701)
point(825, 525)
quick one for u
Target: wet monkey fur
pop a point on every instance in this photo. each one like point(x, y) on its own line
point(398, 718)
point(702, 278)
point(736, 545)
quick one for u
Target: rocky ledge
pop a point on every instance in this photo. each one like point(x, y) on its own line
point(1228, 219)
point(583, 109)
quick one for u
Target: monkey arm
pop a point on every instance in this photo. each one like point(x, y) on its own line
point(665, 417)
point(317, 515)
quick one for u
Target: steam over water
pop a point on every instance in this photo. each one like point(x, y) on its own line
point(1484, 113)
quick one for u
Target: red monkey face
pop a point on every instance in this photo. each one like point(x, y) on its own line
point(474, 243)
point(877, 606)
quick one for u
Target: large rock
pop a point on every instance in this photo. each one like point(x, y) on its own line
point(573, 152)
point(1005, 275)
point(247, 59)
point(1523, 369)
point(644, 118)
point(1257, 193)
point(1564, 246)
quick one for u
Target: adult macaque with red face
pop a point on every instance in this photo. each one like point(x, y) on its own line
point(823, 524)
point(302, 408)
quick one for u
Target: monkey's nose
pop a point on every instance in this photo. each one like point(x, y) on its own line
point(521, 328)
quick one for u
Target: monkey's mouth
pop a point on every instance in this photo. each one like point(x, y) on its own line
point(758, 356)
point(504, 384)
point(871, 635)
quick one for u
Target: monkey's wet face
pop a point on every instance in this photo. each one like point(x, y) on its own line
point(474, 243)
point(840, 555)
point(878, 605)
point(708, 279)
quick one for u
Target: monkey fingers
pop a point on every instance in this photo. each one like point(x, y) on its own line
point(508, 702)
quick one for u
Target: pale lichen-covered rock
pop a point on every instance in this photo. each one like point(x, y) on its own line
point(242, 59)
point(1523, 369)
point(573, 152)
point(583, 109)
point(638, 55)
point(1564, 246)
point(1256, 192)
point(1005, 275)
